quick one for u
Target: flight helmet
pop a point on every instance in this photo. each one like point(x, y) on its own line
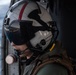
point(27, 22)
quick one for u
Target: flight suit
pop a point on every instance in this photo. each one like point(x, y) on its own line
point(54, 62)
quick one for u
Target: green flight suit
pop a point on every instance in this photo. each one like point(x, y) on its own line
point(52, 69)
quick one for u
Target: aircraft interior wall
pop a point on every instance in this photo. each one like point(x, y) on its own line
point(63, 12)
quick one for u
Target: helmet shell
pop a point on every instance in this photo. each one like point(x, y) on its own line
point(21, 11)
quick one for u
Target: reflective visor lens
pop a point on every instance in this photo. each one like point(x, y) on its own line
point(13, 33)
point(15, 37)
point(19, 32)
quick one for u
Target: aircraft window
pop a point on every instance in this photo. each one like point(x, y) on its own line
point(4, 5)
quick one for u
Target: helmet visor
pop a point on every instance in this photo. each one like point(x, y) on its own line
point(19, 32)
point(14, 35)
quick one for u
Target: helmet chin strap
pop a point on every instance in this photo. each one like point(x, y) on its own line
point(27, 61)
point(20, 52)
point(23, 52)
